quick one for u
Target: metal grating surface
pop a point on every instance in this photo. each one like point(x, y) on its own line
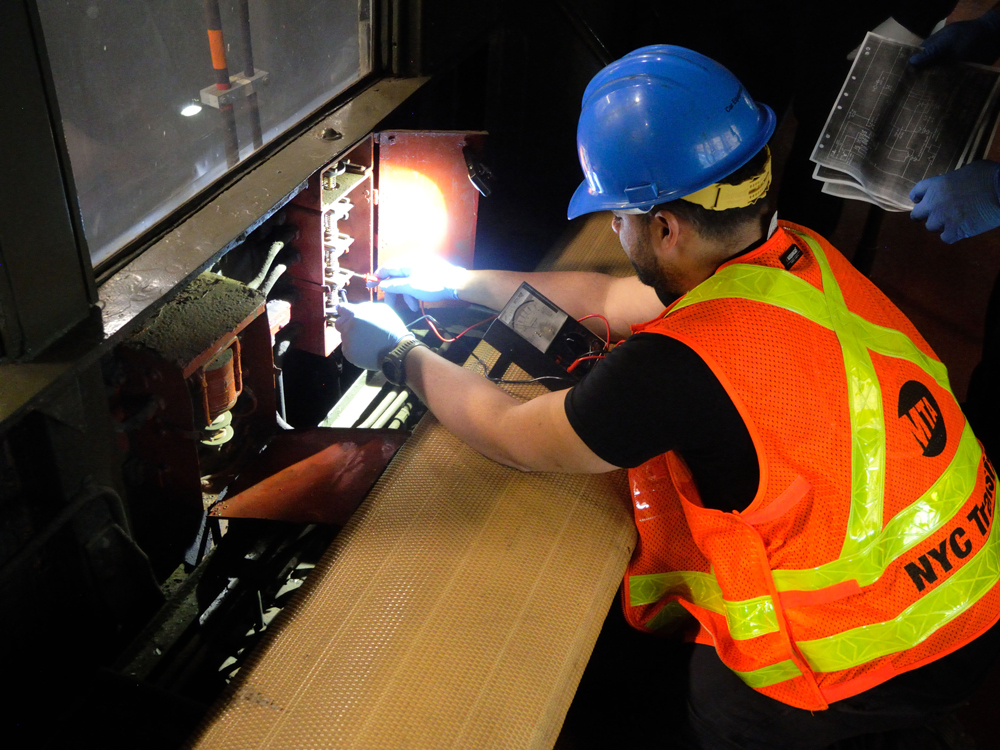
point(457, 609)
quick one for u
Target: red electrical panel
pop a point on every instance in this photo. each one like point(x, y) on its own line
point(414, 186)
point(335, 217)
point(427, 202)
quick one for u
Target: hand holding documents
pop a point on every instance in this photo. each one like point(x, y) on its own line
point(894, 125)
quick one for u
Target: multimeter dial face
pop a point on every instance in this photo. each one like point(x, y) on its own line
point(533, 319)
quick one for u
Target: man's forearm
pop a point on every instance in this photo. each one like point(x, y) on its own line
point(531, 436)
point(470, 406)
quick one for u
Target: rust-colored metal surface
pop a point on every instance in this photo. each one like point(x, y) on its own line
point(164, 364)
point(309, 222)
point(318, 475)
point(334, 216)
point(427, 205)
point(221, 382)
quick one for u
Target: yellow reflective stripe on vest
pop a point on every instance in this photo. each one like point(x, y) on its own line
point(751, 618)
point(867, 424)
point(906, 529)
point(892, 343)
point(827, 308)
point(672, 613)
point(778, 288)
point(916, 623)
point(746, 619)
point(649, 589)
point(772, 675)
point(772, 286)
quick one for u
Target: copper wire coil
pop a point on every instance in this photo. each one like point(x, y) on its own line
point(221, 383)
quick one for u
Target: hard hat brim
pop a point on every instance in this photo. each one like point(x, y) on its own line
point(585, 202)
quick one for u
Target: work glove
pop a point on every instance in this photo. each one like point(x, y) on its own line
point(891, 29)
point(426, 279)
point(369, 331)
point(963, 203)
point(966, 41)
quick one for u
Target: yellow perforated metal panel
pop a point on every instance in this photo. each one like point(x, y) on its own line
point(588, 245)
point(457, 609)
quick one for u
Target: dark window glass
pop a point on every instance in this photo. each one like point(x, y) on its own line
point(129, 76)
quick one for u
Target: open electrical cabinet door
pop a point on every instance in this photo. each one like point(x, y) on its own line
point(394, 196)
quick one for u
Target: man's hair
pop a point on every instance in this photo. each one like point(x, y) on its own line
point(717, 225)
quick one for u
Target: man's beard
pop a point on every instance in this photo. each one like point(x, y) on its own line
point(646, 270)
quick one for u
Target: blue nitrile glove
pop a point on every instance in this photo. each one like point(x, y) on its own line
point(963, 203)
point(420, 279)
point(967, 41)
point(369, 330)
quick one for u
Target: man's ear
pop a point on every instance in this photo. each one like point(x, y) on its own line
point(667, 230)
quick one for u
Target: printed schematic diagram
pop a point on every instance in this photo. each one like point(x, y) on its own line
point(893, 125)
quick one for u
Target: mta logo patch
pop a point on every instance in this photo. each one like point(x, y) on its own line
point(918, 407)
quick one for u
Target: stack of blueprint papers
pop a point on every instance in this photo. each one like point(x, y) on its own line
point(893, 125)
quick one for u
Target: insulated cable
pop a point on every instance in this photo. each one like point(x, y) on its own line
point(607, 326)
point(394, 406)
point(387, 401)
point(272, 253)
point(581, 359)
point(272, 278)
point(431, 323)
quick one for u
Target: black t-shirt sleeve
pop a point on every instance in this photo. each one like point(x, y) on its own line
point(642, 400)
point(653, 394)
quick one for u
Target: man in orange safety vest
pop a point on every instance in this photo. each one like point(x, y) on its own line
point(813, 509)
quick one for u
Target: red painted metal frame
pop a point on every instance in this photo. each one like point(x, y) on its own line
point(318, 475)
point(306, 212)
point(168, 444)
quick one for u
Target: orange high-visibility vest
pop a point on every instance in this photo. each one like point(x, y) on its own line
point(867, 550)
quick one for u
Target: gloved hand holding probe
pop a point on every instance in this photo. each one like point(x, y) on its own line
point(421, 280)
point(369, 330)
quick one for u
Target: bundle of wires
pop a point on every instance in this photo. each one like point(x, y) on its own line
point(432, 323)
point(594, 355)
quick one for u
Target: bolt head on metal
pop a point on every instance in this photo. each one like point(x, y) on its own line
point(329, 134)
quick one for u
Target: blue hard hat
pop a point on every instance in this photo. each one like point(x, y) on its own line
point(661, 123)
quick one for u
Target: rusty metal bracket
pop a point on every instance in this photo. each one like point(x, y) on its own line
point(240, 87)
